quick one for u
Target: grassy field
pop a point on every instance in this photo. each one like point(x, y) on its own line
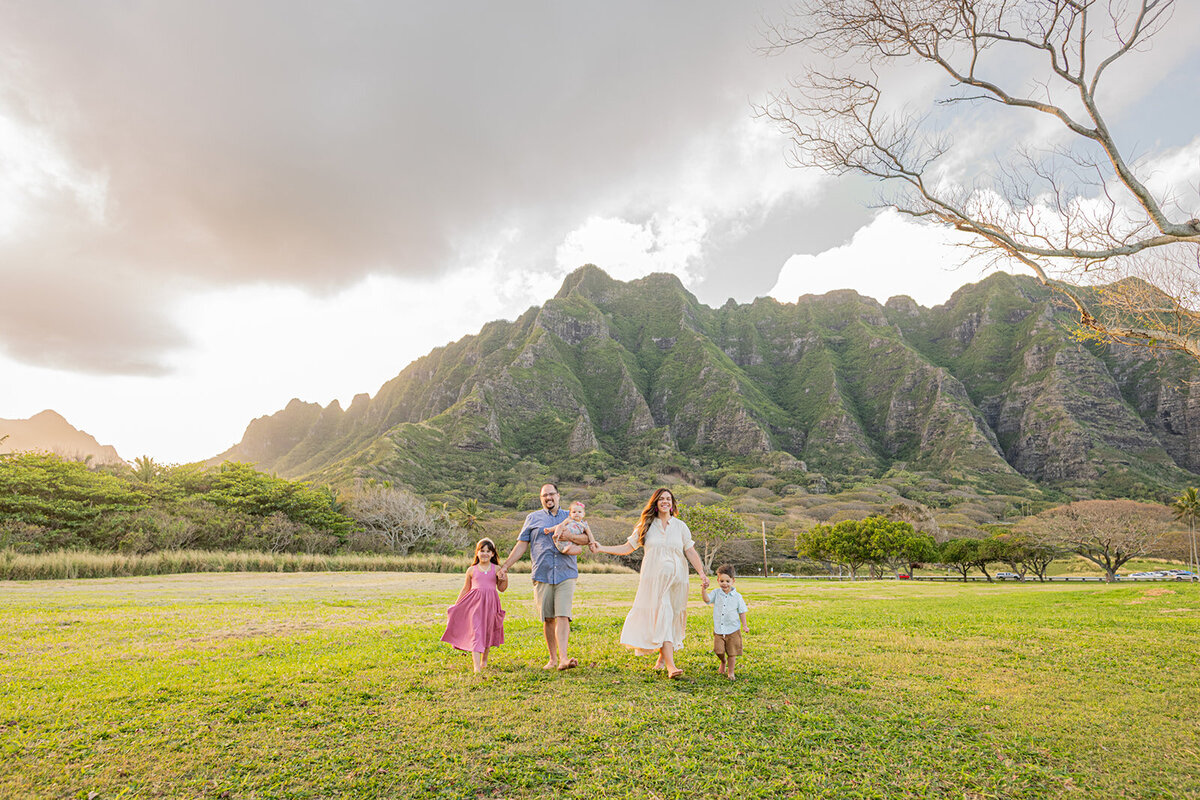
point(335, 685)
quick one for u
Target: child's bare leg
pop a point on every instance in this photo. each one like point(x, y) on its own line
point(729, 667)
point(476, 661)
point(483, 659)
point(721, 666)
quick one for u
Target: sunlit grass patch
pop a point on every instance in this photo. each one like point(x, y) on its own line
point(334, 684)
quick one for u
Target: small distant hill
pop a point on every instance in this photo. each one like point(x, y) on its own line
point(48, 432)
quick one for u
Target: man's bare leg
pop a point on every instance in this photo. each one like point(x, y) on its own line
point(548, 630)
point(562, 630)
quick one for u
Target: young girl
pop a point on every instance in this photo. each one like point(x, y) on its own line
point(476, 621)
point(570, 534)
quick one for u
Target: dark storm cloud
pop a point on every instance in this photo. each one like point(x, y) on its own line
point(313, 143)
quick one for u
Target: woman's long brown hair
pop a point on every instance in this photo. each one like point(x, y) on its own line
point(650, 512)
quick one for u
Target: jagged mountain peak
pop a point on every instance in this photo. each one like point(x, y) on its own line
point(987, 389)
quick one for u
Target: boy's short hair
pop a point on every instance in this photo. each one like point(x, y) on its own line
point(726, 569)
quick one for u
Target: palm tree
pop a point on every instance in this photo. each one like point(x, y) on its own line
point(440, 509)
point(145, 469)
point(467, 514)
point(1187, 506)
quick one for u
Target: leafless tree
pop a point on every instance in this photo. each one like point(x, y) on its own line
point(1106, 532)
point(401, 522)
point(917, 515)
point(1065, 201)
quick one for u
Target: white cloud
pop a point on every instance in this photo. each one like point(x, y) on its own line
point(1174, 177)
point(670, 242)
point(255, 348)
point(891, 256)
point(33, 171)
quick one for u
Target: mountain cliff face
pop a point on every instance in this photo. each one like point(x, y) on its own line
point(48, 432)
point(988, 390)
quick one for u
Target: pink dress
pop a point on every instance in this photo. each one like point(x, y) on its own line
point(476, 622)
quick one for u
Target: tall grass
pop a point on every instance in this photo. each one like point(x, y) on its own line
point(67, 564)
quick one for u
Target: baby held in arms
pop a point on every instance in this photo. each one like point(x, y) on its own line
point(572, 533)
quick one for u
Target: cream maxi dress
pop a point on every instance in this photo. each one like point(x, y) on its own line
point(659, 612)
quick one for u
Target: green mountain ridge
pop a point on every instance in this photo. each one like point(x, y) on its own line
point(988, 390)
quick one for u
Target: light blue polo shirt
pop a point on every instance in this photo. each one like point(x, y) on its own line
point(549, 565)
point(727, 609)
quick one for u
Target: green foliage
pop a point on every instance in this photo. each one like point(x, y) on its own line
point(468, 514)
point(47, 491)
point(47, 503)
point(241, 487)
point(875, 540)
point(712, 528)
point(1186, 506)
point(960, 555)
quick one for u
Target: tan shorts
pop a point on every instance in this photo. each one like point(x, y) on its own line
point(728, 644)
point(554, 599)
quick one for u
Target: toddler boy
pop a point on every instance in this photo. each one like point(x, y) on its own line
point(729, 620)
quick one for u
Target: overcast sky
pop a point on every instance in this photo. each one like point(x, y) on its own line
point(207, 209)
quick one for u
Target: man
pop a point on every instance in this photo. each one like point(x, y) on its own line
point(554, 576)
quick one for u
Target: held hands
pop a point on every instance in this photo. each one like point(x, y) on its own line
point(704, 582)
point(594, 546)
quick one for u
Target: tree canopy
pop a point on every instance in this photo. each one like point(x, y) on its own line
point(1106, 532)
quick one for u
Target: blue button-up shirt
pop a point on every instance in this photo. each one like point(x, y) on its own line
point(549, 565)
point(727, 610)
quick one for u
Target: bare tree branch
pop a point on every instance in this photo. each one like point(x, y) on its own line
point(1078, 215)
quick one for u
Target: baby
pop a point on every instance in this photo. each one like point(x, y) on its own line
point(572, 533)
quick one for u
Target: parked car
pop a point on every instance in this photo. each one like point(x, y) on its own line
point(1145, 576)
point(785, 575)
point(1181, 575)
point(1007, 576)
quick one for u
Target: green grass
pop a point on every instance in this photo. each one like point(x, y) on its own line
point(335, 685)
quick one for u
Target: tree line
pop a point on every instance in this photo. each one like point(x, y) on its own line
point(51, 503)
point(1108, 533)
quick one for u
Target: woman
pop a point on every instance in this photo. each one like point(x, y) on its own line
point(658, 618)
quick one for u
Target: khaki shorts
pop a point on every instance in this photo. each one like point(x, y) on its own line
point(554, 599)
point(728, 644)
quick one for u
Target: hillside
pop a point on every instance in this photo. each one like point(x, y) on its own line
point(48, 432)
point(988, 392)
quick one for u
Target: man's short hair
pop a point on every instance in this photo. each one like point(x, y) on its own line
point(726, 569)
point(552, 485)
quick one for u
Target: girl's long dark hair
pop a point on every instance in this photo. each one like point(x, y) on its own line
point(490, 544)
point(650, 512)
